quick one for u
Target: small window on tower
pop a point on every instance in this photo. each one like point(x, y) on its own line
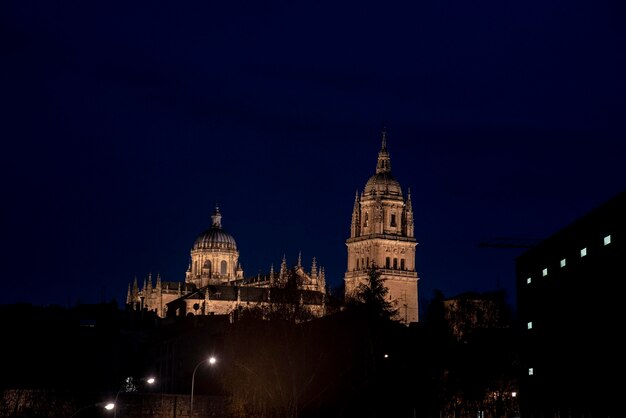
point(393, 219)
point(395, 264)
point(544, 272)
point(607, 240)
point(365, 221)
point(402, 264)
point(563, 262)
point(387, 262)
point(583, 252)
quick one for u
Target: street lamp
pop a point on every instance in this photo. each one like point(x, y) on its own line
point(211, 360)
point(127, 383)
point(106, 405)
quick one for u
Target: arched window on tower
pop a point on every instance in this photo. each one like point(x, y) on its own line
point(393, 219)
point(366, 220)
point(223, 267)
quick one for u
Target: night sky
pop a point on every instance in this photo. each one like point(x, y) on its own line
point(123, 124)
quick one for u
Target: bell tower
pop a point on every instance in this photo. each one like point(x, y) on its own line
point(382, 235)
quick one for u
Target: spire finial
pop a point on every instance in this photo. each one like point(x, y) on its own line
point(384, 162)
point(217, 217)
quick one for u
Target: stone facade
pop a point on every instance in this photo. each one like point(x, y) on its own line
point(215, 283)
point(214, 257)
point(381, 235)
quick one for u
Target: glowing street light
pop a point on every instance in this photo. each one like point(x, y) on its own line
point(114, 405)
point(106, 405)
point(211, 360)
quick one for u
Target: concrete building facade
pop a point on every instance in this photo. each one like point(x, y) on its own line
point(570, 309)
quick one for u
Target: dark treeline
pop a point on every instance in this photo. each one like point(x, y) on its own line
point(274, 361)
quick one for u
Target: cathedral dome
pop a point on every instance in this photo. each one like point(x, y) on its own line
point(383, 184)
point(215, 237)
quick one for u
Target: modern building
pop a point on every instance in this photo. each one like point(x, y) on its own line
point(571, 310)
point(381, 235)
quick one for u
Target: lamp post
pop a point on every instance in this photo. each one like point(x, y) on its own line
point(106, 405)
point(148, 380)
point(211, 360)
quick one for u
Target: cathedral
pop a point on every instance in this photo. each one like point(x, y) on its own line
point(215, 283)
point(381, 236)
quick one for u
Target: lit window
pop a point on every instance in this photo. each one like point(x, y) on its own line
point(545, 272)
point(530, 325)
point(583, 252)
point(530, 371)
point(563, 263)
point(607, 240)
point(528, 280)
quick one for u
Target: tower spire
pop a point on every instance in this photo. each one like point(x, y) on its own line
point(384, 146)
point(408, 226)
point(355, 227)
point(314, 269)
point(217, 217)
point(282, 276)
point(384, 162)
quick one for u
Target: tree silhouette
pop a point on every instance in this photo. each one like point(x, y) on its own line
point(371, 297)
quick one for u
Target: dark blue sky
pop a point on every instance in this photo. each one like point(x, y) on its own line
point(123, 123)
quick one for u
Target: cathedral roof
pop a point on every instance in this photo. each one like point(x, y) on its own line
point(383, 182)
point(215, 237)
